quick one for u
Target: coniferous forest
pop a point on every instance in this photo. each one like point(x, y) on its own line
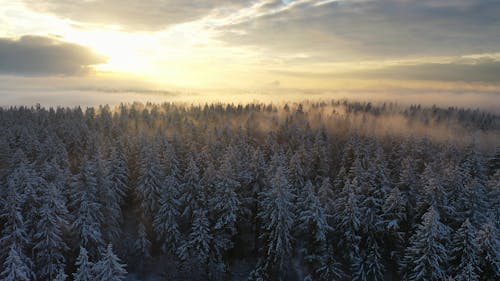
point(300, 191)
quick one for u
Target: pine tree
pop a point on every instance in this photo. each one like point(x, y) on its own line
point(150, 180)
point(15, 267)
point(427, 256)
point(225, 206)
point(394, 226)
point(24, 183)
point(85, 268)
point(464, 253)
point(113, 195)
point(191, 192)
point(197, 247)
point(348, 222)
point(88, 210)
point(109, 267)
point(370, 266)
point(329, 269)
point(61, 276)
point(142, 245)
point(434, 194)
point(166, 220)
point(312, 223)
point(49, 244)
point(489, 257)
point(326, 196)
point(407, 184)
point(297, 174)
point(320, 153)
point(278, 216)
point(394, 211)
point(494, 162)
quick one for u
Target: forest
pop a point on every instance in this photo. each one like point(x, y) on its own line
point(318, 190)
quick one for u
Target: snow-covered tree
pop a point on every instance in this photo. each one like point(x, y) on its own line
point(61, 276)
point(150, 180)
point(84, 267)
point(197, 246)
point(225, 207)
point(15, 267)
point(296, 172)
point(370, 265)
point(312, 223)
point(326, 196)
point(166, 219)
point(278, 215)
point(142, 245)
point(329, 269)
point(320, 153)
point(14, 237)
point(427, 256)
point(465, 260)
point(394, 211)
point(87, 224)
point(191, 191)
point(489, 256)
point(49, 245)
point(24, 184)
point(348, 222)
point(117, 178)
point(434, 193)
point(109, 267)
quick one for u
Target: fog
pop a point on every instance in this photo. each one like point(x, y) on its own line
point(485, 100)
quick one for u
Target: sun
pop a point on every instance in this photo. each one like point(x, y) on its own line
point(125, 52)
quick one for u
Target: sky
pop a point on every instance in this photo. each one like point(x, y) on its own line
point(108, 51)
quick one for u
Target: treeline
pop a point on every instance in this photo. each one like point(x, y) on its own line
point(247, 192)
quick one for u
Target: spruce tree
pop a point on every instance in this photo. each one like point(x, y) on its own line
point(88, 210)
point(61, 276)
point(348, 223)
point(166, 220)
point(142, 245)
point(14, 236)
point(117, 178)
point(465, 260)
point(489, 256)
point(109, 267)
point(312, 224)
point(427, 256)
point(49, 245)
point(197, 248)
point(225, 206)
point(84, 267)
point(150, 180)
point(278, 215)
point(15, 267)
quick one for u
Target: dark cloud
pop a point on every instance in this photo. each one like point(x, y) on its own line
point(483, 70)
point(346, 30)
point(43, 56)
point(132, 14)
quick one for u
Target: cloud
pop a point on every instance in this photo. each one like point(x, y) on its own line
point(44, 56)
point(480, 70)
point(353, 30)
point(147, 15)
point(487, 71)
